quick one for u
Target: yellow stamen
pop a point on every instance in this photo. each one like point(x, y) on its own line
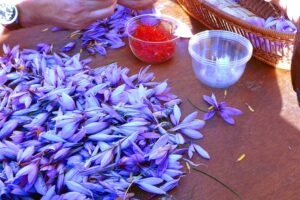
point(21, 67)
point(38, 132)
point(211, 108)
point(241, 157)
point(74, 34)
point(250, 108)
point(188, 166)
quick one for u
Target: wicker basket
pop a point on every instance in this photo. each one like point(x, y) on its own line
point(271, 47)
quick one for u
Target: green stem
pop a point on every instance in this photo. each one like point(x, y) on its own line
point(196, 106)
point(220, 182)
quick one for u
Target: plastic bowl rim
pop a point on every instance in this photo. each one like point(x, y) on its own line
point(240, 39)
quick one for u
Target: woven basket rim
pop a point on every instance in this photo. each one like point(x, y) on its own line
point(244, 24)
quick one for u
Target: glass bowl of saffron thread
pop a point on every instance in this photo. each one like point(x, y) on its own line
point(152, 37)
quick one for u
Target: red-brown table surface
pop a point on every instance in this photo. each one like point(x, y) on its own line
point(269, 137)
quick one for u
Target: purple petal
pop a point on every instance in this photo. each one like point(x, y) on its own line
point(104, 137)
point(211, 100)
point(150, 135)
point(26, 100)
point(92, 186)
point(227, 118)
point(8, 128)
point(73, 195)
point(3, 77)
point(269, 19)
point(68, 47)
point(177, 114)
point(61, 154)
point(19, 192)
point(201, 151)
point(280, 26)
point(28, 152)
point(190, 117)
point(68, 130)
point(76, 187)
point(161, 88)
point(55, 29)
point(131, 139)
point(8, 153)
point(166, 177)
point(270, 23)
point(117, 45)
point(179, 139)
point(66, 102)
point(150, 188)
point(162, 141)
point(196, 124)
point(26, 170)
point(291, 24)
point(11, 145)
point(209, 115)
point(60, 180)
point(8, 172)
point(96, 127)
point(78, 136)
point(135, 123)
point(49, 195)
point(192, 133)
point(169, 185)
point(107, 158)
point(6, 48)
point(174, 157)
point(52, 137)
point(191, 150)
point(40, 185)
point(38, 120)
point(150, 180)
point(32, 175)
point(231, 111)
point(100, 49)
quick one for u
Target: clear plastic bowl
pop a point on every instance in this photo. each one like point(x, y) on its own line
point(151, 50)
point(219, 57)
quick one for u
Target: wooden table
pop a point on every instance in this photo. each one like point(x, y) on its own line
point(270, 136)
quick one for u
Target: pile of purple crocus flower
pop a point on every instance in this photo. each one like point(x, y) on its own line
point(103, 34)
point(71, 132)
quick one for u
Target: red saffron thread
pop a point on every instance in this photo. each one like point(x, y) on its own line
point(161, 50)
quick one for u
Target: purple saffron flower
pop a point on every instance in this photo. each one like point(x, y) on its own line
point(221, 109)
point(55, 29)
point(280, 24)
point(44, 48)
point(104, 33)
point(68, 47)
point(3, 77)
point(150, 188)
point(8, 128)
point(68, 131)
point(100, 49)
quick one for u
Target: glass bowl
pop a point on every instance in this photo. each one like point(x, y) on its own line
point(219, 57)
point(152, 37)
